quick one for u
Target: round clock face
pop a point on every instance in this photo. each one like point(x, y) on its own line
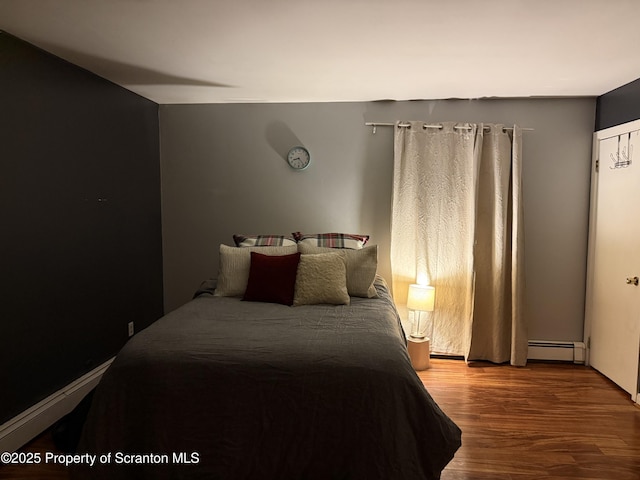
point(298, 158)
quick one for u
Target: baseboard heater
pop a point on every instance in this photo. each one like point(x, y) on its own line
point(19, 430)
point(556, 351)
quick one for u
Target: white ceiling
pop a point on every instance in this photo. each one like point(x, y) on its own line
point(231, 51)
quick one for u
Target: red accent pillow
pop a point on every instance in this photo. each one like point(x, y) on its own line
point(272, 278)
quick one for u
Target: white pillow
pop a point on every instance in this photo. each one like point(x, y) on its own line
point(321, 278)
point(235, 263)
point(362, 266)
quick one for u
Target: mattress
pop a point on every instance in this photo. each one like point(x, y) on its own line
point(228, 389)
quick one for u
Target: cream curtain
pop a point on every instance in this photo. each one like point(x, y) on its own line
point(457, 225)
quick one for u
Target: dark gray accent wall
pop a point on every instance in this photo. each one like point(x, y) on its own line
point(618, 106)
point(80, 231)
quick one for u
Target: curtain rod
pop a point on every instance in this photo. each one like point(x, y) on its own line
point(459, 127)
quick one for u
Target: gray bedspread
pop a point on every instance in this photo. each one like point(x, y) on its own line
point(226, 389)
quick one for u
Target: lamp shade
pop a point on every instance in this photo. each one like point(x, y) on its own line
point(421, 297)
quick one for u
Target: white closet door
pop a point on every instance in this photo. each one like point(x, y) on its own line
point(615, 262)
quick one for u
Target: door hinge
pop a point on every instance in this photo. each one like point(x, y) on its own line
point(597, 165)
point(589, 343)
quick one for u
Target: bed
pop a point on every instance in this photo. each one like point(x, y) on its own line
point(223, 388)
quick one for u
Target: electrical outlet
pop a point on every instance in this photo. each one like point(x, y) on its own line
point(131, 329)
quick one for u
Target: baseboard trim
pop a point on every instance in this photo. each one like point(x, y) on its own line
point(24, 427)
point(556, 351)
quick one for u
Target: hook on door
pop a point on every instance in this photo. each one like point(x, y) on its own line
point(633, 281)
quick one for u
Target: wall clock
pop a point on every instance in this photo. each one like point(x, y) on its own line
point(298, 158)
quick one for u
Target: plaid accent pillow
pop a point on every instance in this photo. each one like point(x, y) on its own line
point(332, 240)
point(263, 240)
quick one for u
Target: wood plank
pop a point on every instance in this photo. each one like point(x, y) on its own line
point(543, 421)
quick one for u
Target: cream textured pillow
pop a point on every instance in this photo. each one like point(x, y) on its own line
point(235, 263)
point(362, 266)
point(321, 278)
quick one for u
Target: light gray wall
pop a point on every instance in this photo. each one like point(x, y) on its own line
point(223, 172)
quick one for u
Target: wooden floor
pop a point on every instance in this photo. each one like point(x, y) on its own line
point(543, 421)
